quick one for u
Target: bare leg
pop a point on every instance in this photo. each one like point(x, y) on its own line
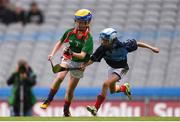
point(109, 82)
point(54, 88)
point(58, 80)
point(72, 83)
point(56, 84)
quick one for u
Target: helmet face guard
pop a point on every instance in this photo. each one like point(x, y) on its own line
point(108, 34)
point(82, 19)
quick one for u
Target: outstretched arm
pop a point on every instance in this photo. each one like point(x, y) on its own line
point(55, 49)
point(83, 66)
point(144, 45)
point(96, 56)
point(89, 63)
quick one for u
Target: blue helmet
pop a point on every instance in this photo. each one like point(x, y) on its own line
point(108, 34)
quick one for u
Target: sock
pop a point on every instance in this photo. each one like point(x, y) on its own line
point(51, 94)
point(99, 101)
point(122, 88)
point(66, 106)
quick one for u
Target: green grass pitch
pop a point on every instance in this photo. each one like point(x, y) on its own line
point(162, 119)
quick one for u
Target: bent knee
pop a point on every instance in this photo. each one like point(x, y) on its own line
point(107, 83)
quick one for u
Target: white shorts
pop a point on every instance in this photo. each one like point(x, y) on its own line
point(119, 72)
point(73, 64)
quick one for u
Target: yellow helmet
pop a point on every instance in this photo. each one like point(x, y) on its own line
point(83, 14)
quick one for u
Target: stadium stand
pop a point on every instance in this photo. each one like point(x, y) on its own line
point(154, 21)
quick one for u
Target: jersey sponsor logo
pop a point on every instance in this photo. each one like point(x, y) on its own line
point(76, 42)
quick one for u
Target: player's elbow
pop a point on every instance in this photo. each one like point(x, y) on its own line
point(82, 55)
point(139, 43)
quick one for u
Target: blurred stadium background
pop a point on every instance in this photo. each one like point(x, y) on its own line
point(154, 77)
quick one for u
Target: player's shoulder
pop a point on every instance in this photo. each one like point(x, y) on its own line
point(90, 35)
point(130, 40)
point(131, 45)
point(104, 48)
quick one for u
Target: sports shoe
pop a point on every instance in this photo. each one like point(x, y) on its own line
point(45, 104)
point(67, 114)
point(128, 91)
point(92, 109)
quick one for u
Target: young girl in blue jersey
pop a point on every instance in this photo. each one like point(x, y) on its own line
point(114, 53)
